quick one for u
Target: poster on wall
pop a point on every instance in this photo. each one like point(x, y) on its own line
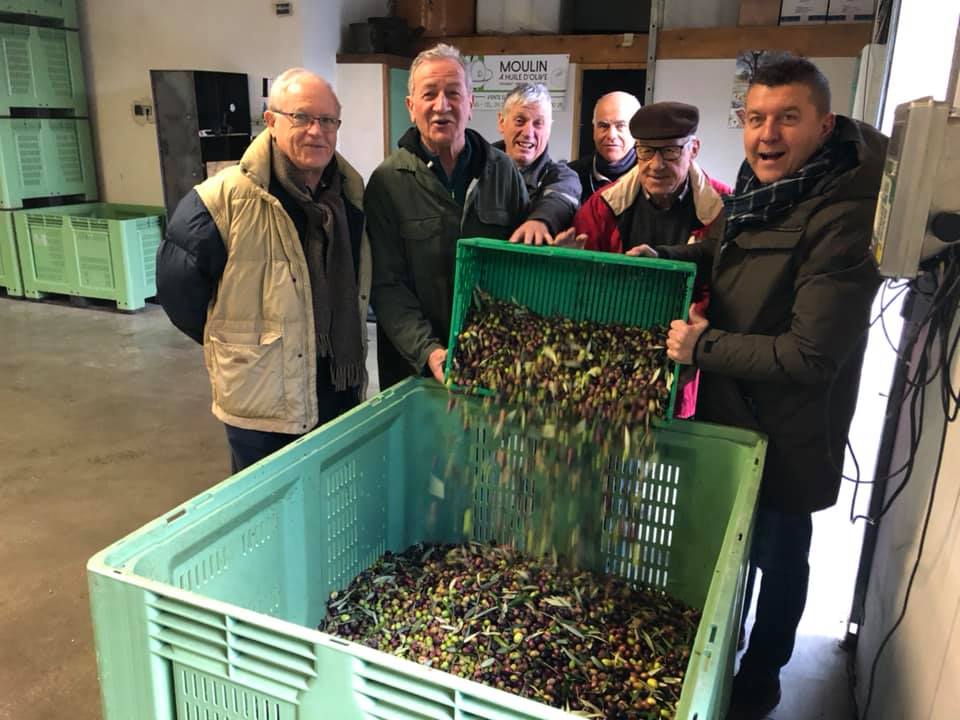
point(747, 63)
point(494, 76)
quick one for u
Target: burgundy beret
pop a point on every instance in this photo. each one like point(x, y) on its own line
point(664, 120)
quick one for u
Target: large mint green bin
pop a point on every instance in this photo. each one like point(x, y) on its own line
point(208, 612)
point(95, 250)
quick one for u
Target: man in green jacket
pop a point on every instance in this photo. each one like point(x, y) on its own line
point(445, 182)
point(268, 266)
point(781, 346)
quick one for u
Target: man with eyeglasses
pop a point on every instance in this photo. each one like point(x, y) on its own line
point(267, 264)
point(613, 154)
point(665, 200)
point(443, 183)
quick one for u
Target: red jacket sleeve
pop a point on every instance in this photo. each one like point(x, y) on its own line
point(596, 220)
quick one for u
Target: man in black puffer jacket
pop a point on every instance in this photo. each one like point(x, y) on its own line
point(780, 349)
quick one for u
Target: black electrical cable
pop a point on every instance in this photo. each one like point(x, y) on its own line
point(939, 322)
point(945, 296)
point(901, 289)
point(882, 318)
point(913, 572)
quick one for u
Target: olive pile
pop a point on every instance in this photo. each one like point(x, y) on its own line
point(587, 643)
point(579, 381)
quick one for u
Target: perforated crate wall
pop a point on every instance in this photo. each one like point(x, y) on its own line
point(44, 69)
point(9, 261)
point(44, 158)
point(56, 12)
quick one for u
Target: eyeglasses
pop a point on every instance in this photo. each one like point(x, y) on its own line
point(670, 153)
point(299, 119)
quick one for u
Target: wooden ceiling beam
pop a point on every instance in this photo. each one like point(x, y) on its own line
point(628, 49)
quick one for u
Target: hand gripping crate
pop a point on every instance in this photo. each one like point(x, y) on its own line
point(43, 70)
point(44, 158)
point(578, 284)
point(96, 250)
point(211, 610)
point(9, 263)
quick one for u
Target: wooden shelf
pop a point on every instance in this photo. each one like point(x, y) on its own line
point(822, 40)
point(395, 61)
point(628, 49)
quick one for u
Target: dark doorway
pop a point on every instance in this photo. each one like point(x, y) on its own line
point(594, 85)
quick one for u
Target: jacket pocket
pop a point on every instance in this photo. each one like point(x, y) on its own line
point(247, 372)
point(782, 238)
point(493, 216)
point(421, 229)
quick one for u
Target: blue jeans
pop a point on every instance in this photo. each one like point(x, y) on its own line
point(781, 546)
point(250, 446)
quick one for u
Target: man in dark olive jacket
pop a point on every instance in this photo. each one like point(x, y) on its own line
point(444, 182)
point(782, 343)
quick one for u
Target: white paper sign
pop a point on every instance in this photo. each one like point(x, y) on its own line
point(494, 76)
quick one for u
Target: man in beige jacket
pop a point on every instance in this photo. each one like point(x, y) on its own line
point(267, 264)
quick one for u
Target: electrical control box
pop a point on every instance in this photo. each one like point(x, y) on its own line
point(921, 182)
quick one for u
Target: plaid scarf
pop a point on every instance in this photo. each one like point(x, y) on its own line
point(753, 203)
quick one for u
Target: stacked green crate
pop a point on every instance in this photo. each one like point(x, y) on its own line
point(46, 148)
point(9, 263)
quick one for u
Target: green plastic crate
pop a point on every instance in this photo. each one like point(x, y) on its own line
point(60, 11)
point(44, 69)
point(9, 263)
point(579, 284)
point(98, 250)
point(210, 611)
point(43, 158)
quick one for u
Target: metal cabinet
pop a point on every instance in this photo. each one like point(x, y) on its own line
point(201, 117)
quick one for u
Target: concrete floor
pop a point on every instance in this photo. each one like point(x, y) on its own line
point(105, 425)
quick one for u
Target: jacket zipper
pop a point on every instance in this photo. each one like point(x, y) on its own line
point(468, 198)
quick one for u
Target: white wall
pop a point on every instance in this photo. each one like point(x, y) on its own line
point(361, 137)
point(123, 40)
point(701, 13)
point(708, 85)
point(917, 675)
